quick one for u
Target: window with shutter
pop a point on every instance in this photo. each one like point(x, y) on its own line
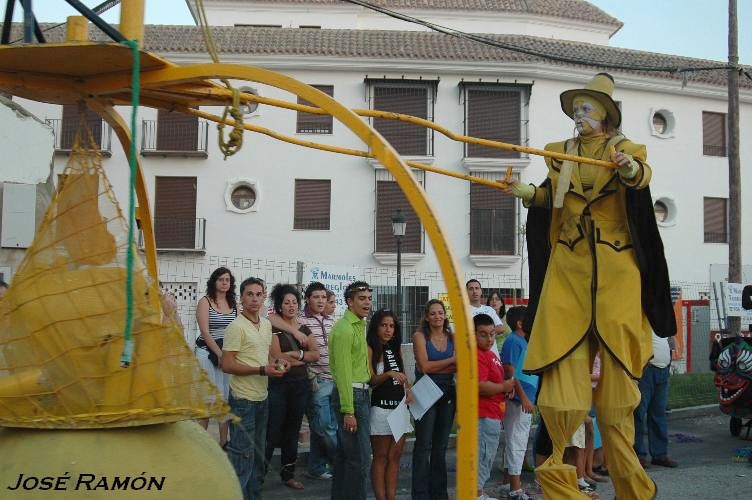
point(409, 99)
point(493, 219)
point(175, 212)
point(312, 203)
point(494, 113)
point(713, 134)
point(389, 198)
point(715, 220)
point(71, 121)
point(309, 123)
point(176, 131)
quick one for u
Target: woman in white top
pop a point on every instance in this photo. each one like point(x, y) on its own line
point(216, 310)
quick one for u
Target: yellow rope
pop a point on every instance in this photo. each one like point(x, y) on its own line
point(235, 141)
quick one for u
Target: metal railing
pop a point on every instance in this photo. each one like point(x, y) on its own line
point(174, 138)
point(65, 135)
point(173, 233)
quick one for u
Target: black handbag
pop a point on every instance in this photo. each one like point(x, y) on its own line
point(212, 357)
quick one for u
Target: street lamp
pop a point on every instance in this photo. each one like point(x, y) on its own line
point(399, 224)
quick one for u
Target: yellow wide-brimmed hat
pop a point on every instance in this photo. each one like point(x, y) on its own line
point(600, 88)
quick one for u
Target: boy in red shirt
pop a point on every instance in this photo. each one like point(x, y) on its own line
point(492, 388)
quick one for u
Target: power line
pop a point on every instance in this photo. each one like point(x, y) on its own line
point(528, 51)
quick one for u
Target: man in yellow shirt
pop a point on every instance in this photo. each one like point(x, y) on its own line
point(348, 360)
point(245, 356)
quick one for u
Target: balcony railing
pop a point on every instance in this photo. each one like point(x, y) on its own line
point(178, 234)
point(65, 135)
point(174, 139)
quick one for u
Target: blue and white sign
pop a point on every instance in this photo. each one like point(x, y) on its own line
point(335, 278)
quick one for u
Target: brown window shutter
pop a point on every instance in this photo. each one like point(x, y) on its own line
point(715, 220)
point(407, 138)
point(713, 134)
point(492, 221)
point(389, 198)
point(312, 203)
point(175, 212)
point(309, 123)
point(176, 131)
point(494, 115)
point(70, 123)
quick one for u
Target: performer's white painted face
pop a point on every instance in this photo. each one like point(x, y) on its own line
point(588, 115)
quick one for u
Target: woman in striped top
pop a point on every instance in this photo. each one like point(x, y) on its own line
point(216, 310)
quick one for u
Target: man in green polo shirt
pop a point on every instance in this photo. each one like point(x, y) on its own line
point(348, 360)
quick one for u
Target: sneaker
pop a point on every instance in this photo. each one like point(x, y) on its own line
point(664, 462)
point(323, 476)
point(519, 495)
point(503, 489)
point(590, 492)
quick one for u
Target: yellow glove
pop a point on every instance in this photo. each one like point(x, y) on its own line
point(524, 191)
point(628, 171)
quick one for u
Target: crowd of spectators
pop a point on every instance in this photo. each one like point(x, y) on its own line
point(346, 377)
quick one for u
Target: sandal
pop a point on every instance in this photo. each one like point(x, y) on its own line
point(294, 484)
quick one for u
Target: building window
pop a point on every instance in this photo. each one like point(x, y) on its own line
point(414, 99)
point(414, 299)
point(389, 198)
point(661, 211)
point(495, 112)
point(716, 220)
point(713, 134)
point(65, 130)
point(175, 223)
point(176, 131)
point(312, 203)
point(308, 123)
point(243, 197)
point(493, 219)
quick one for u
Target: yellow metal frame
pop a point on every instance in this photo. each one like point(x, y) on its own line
point(102, 92)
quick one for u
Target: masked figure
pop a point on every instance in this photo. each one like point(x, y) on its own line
point(598, 282)
point(733, 377)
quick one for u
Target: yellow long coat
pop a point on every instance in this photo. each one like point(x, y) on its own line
point(592, 283)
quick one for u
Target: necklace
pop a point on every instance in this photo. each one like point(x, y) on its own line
point(255, 323)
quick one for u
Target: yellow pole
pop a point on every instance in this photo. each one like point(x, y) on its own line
point(76, 29)
point(117, 123)
point(132, 20)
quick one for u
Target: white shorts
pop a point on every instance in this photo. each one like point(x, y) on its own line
point(217, 377)
point(379, 425)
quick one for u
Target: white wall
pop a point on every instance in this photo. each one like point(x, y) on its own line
point(681, 173)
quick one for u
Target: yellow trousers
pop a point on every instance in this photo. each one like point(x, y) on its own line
point(565, 399)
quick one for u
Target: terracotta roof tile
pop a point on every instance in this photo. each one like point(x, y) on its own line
point(568, 9)
point(408, 45)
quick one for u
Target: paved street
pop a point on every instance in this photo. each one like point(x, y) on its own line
point(700, 441)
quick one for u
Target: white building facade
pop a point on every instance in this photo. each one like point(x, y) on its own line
point(273, 206)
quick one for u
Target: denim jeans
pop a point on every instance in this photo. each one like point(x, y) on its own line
point(247, 443)
point(323, 424)
point(353, 459)
point(429, 452)
point(489, 432)
point(287, 404)
point(654, 390)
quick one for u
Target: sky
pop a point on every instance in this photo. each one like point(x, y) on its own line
point(693, 28)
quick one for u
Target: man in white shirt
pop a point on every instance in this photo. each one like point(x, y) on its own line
point(654, 391)
point(475, 293)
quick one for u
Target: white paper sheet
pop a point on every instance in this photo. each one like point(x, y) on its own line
point(425, 394)
point(399, 421)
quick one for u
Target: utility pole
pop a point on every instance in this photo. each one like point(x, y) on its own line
point(734, 177)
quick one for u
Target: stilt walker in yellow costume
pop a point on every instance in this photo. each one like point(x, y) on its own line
point(598, 282)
